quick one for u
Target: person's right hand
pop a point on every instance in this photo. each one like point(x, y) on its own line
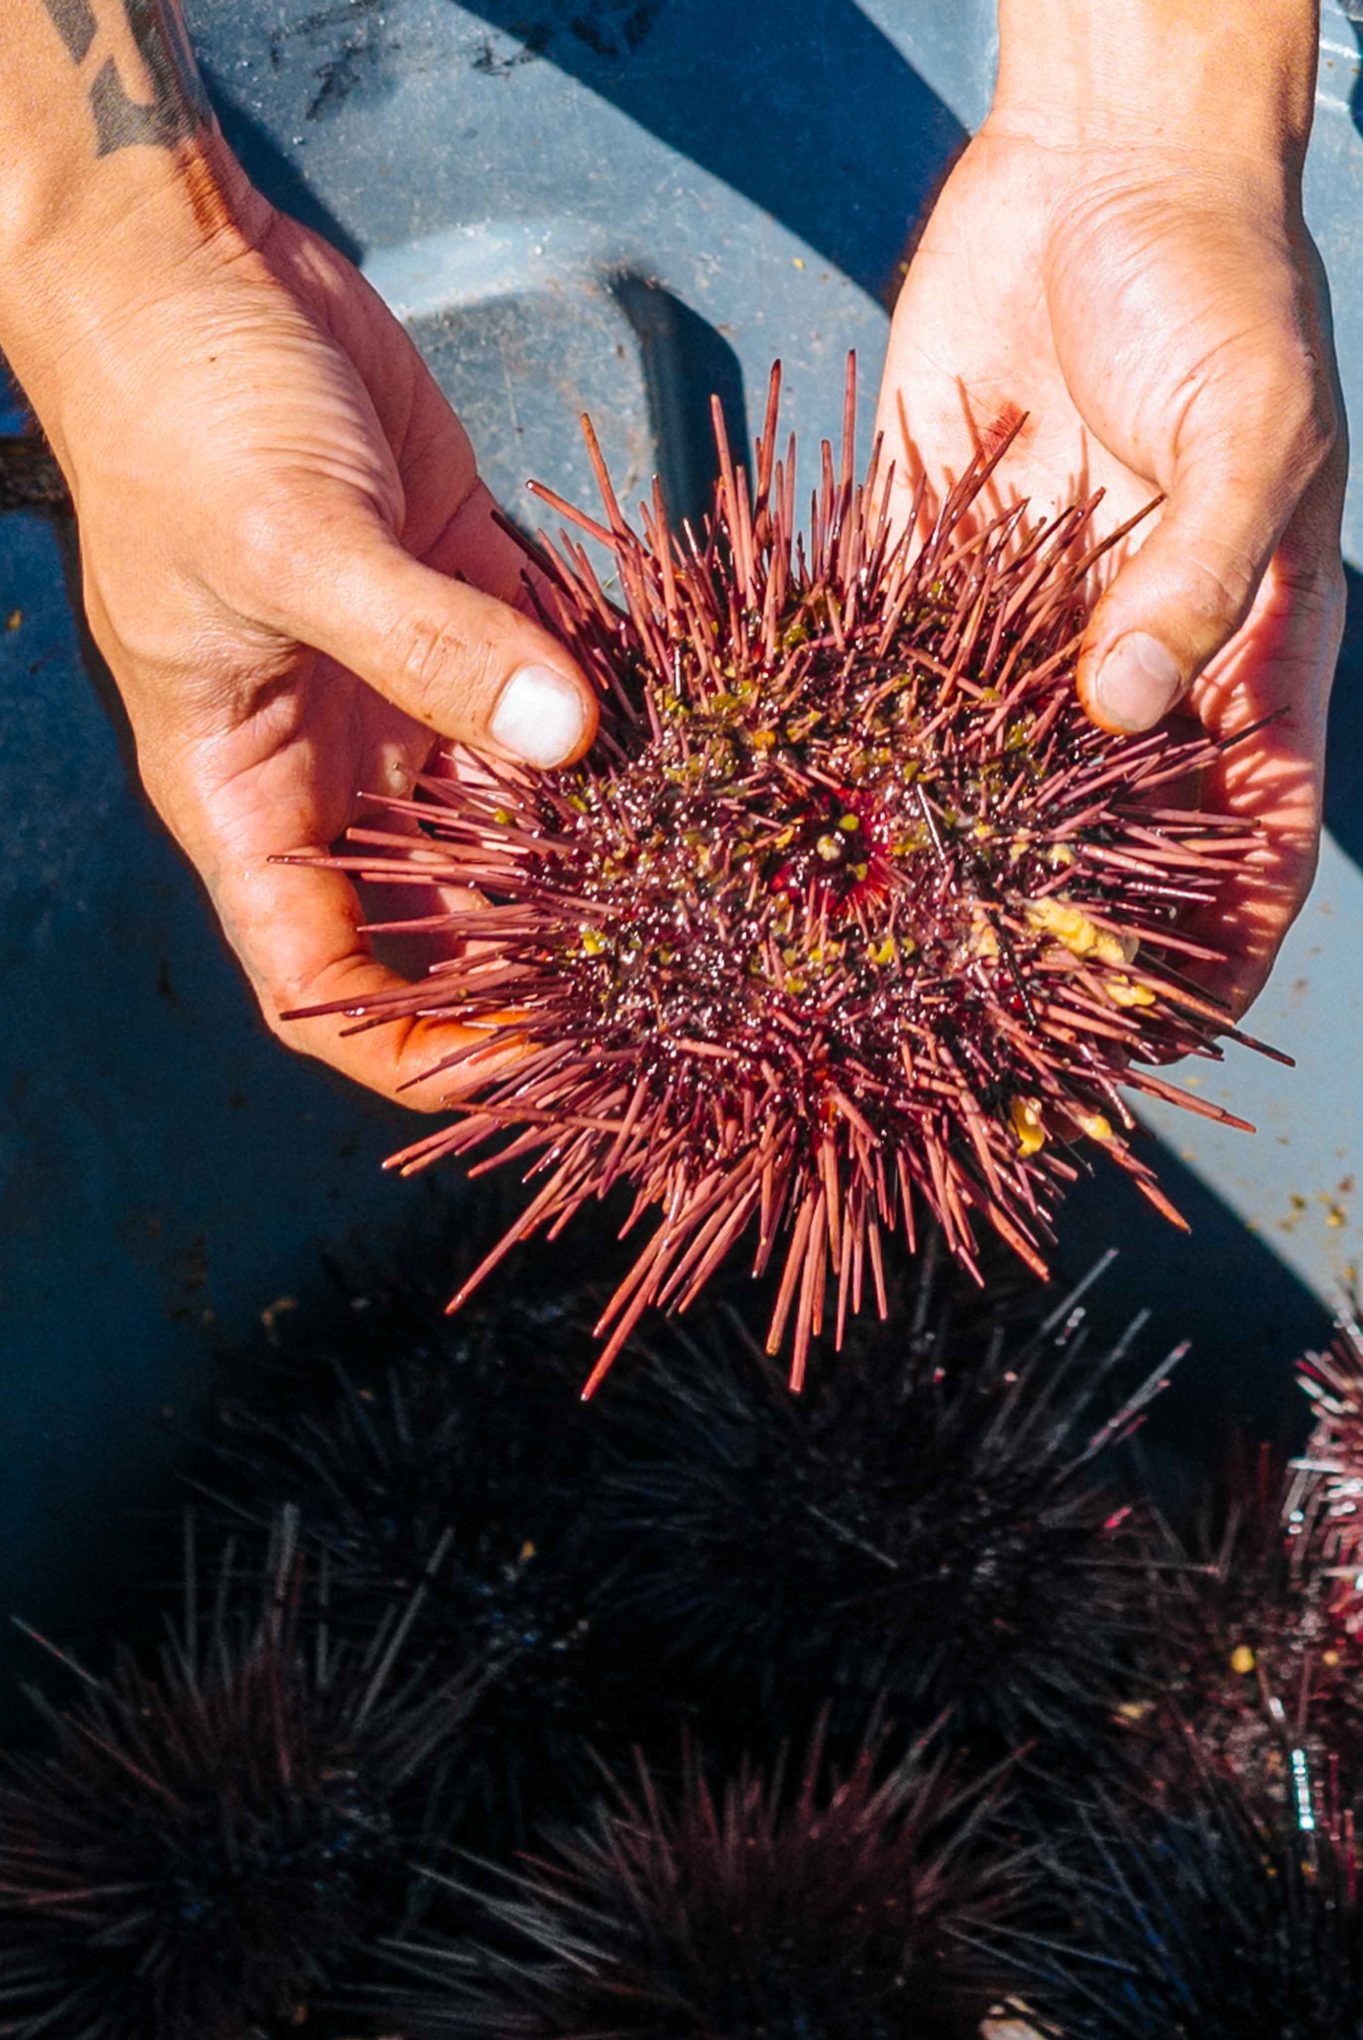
point(293, 571)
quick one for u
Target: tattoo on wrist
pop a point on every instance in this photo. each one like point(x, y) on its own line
point(177, 106)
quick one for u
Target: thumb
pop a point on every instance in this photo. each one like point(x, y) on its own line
point(468, 666)
point(1174, 605)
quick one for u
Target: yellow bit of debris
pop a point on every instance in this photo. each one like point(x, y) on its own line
point(984, 939)
point(1095, 1125)
point(1243, 1660)
point(829, 848)
point(1071, 926)
point(1124, 992)
point(763, 740)
point(1136, 1711)
point(593, 941)
point(1059, 856)
point(883, 953)
point(849, 823)
point(1028, 1125)
point(527, 1552)
point(1110, 948)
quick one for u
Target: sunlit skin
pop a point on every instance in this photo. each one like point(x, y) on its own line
point(274, 500)
point(1159, 316)
point(291, 566)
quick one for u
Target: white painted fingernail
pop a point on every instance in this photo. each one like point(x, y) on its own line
point(540, 716)
point(1137, 683)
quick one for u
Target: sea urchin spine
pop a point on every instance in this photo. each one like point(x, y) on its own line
point(780, 1902)
point(213, 1837)
point(851, 917)
point(938, 1525)
point(1325, 1504)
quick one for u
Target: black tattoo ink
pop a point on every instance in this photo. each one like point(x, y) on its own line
point(178, 106)
point(75, 23)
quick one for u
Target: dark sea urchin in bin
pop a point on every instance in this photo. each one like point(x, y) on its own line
point(210, 1841)
point(1256, 1661)
point(938, 1522)
point(453, 1460)
point(1219, 1922)
point(1325, 1509)
point(851, 919)
point(791, 1907)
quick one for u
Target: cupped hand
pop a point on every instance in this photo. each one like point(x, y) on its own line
point(294, 573)
point(1159, 317)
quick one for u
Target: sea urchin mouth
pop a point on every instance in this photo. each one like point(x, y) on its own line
point(851, 915)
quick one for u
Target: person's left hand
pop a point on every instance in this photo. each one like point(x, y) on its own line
point(1158, 316)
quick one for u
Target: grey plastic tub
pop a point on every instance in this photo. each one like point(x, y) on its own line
point(617, 204)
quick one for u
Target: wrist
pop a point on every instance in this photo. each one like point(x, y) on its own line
point(1214, 77)
point(78, 264)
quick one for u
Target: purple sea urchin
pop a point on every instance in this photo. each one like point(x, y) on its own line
point(840, 1911)
point(211, 1842)
point(450, 1461)
point(938, 1526)
point(1220, 1922)
point(1257, 1669)
point(851, 918)
point(1326, 1502)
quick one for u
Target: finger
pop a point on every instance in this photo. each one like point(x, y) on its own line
point(297, 930)
point(454, 657)
point(1179, 600)
point(1281, 666)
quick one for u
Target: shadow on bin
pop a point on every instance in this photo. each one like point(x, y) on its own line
point(274, 173)
point(815, 117)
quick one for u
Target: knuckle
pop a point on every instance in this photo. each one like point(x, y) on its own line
point(1301, 410)
point(264, 552)
point(445, 673)
point(275, 1002)
point(283, 1000)
point(1317, 586)
point(285, 993)
point(1220, 581)
point(1310, 427)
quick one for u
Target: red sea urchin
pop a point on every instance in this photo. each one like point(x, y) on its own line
point(851, 911)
